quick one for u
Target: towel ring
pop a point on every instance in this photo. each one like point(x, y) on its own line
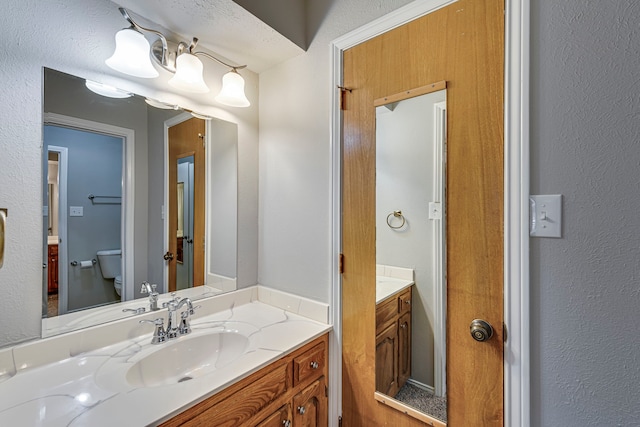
point(396, 214)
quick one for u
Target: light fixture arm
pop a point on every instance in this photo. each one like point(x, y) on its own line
point(233, 67)
point(135, 25)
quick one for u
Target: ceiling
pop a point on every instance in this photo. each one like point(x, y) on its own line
point(222, 26)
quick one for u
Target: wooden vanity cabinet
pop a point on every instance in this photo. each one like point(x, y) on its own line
point(52, 269)
point(291, 392)
point(393, 342)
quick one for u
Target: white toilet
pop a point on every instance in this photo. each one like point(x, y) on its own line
point(111, 267)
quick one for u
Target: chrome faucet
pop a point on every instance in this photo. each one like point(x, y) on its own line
point(173, 327)
point(153, 295)
point(184, 327)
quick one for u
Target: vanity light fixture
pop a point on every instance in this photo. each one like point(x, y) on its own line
point(106, 90)
point(159, 104)
point(134, 51)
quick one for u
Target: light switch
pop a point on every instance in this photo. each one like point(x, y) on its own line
point(545, 215)
point(435, 210)
point(76, 211)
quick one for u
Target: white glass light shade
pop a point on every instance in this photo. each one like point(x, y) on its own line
point(132, 55)
point(106, 90)
point(232, 92)
point(188, 76)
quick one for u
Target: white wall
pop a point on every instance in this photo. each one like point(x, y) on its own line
point(585, 287)
point(295, 162)
point(75, 36)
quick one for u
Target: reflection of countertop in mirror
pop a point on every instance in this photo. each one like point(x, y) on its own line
point(52, 240)
point(80, 378)
point(387, 286)
point(94, 316)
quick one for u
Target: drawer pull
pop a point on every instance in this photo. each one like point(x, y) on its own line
point(301, 410)
point(286, 423)
point(314, 365)
point(403, 326)
point(408, 302)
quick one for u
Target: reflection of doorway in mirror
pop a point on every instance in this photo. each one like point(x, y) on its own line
point(51, 276)
point(410, 138)
point(186, 218)
point(184, 250)
point(88, 218)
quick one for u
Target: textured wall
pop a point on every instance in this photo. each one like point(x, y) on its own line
point(295, 156)
point(585, 290)
point(75, 36)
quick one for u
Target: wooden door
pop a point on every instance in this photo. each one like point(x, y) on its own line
point(462, 44)
point(187, 139)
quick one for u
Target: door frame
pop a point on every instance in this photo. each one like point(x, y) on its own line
point(63, 251)
point(516, 199)
point(128, 187)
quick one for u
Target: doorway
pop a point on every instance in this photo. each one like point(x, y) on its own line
point(84, 175)
point(186, 200)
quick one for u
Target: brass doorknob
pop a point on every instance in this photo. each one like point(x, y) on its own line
point(481, 330)
point(168, 256)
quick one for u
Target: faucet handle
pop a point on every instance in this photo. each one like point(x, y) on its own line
point(134, 310)
point(153, 288)
point(159, 335)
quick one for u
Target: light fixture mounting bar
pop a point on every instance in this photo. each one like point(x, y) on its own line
point(233, 67)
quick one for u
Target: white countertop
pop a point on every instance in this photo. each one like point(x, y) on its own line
point(90, 388)
point(387, 286)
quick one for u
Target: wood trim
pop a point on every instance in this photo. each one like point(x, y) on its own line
point(410, 93)
point(397, 405)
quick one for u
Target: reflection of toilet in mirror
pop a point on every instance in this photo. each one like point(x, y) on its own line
point(111, 267)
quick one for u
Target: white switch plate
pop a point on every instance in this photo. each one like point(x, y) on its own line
point(435, 210)
point(545, 215)
point(76, 211)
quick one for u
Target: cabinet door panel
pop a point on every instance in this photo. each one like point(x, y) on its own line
point(310, 406)
point(280, 418)
point(387, 361)
point(404, 349)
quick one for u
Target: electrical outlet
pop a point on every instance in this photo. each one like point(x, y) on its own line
point(76, 211)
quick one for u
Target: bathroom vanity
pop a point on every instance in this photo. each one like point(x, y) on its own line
point(393, 334)
point(289, 392)
point(254, 357)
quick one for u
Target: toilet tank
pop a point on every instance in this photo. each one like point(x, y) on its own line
point(110, 263)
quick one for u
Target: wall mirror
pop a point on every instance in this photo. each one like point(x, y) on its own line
point(118, 210)
point(410, 249)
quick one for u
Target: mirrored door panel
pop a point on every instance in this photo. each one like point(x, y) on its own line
point(410, 256)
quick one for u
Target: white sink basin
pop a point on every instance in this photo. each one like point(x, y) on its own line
point(187, 358)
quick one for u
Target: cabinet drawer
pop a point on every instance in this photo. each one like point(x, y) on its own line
point(386, 313)
point(404, 302)
point(309, 364)
point(247, 402)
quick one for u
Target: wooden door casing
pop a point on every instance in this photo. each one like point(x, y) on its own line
point(462, 44)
